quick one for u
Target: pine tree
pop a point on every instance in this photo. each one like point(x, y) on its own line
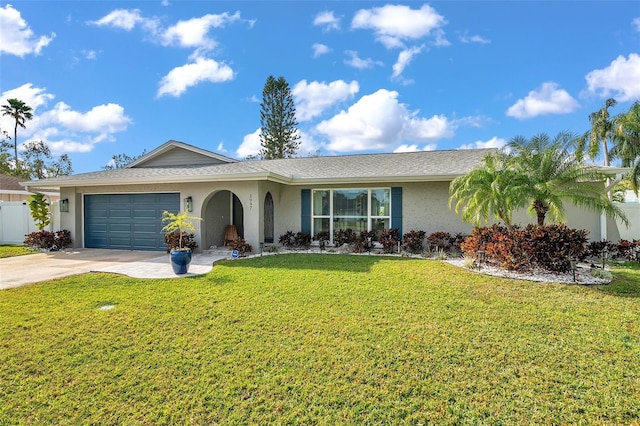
point(278, 133)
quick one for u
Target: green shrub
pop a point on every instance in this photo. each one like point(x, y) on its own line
point(241, 246)
point(628, 250)
point(48, 240)
point(172, 240)
point(413, 241)
point(509, 250)
point(365, 242)
point(39, 208)
point(287, 239)
point(596, 248)
point(343, 236)
point(295, 240)
point(389, 240)
point(550, 247)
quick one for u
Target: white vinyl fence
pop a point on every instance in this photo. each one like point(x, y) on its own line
point(16, 221)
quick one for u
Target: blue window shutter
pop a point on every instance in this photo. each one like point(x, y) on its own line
point(396, 209)
point(305, 217)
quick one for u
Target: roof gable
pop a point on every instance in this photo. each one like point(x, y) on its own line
point(174, 153)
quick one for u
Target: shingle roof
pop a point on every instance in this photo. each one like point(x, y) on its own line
point(409, 166)
point(11, 183)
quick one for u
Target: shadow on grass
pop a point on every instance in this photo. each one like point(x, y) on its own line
point(626, 281)
point(322, 262)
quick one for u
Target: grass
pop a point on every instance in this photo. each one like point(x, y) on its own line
point(321, 339)
point(14, 250)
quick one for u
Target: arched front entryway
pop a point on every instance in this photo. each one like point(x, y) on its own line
point(268, 218)
point(221, 210)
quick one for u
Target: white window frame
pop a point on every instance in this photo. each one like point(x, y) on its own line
point(332, 217)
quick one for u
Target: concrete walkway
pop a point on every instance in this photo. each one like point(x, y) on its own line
point(20, 270)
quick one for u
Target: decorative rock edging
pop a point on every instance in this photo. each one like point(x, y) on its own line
point(583, 275)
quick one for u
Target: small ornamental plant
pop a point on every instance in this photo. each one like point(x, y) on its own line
point(181, 224)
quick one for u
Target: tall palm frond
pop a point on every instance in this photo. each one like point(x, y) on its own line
point(601, 131)
point(557, 174)
point(20, 112)
point(626, 137)
point(490, 191)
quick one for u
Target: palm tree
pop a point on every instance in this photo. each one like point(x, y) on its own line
point(555, 174)
point(490, 191)
point(20, 113)
point(601, 131)
point(626, 136)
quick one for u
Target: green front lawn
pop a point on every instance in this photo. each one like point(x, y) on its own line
point(321, 339)
point(14, 250)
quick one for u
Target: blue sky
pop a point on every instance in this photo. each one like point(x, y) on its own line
point(106, 77)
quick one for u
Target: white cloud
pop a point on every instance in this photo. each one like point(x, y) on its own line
point(35, 97)
point(415, 148)
point(320, 49)
point(395, 24)
point(313, 98)
point(103, 119)
point(327, 20)
point(404, 58)
point(250, 145)
point(63, 129)
point(181, 78)
point(636, 24)
point(120, 18)
point(220, 148)
point(465, 38)
point(16, 38)
point(379, 122)
point(359, 63)
point(547, 99)
point(193, 33)
point(90, 54)
point(494, 142)
point(621, 79)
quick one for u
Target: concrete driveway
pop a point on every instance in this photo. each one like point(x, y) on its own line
point(20, 270)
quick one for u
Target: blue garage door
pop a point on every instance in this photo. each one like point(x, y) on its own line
point(127, 221)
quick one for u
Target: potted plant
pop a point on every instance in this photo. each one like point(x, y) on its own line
point(180, 224)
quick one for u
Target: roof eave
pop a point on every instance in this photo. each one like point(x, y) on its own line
point(373, 179)
point(257, 176)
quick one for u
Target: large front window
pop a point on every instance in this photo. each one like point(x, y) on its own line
point(357, 209)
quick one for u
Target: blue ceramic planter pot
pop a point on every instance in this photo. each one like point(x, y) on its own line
point(180, 260)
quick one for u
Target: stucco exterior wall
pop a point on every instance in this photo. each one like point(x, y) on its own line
point(424, 206)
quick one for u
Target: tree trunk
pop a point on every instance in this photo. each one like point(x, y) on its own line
point(605, 151)
point(541, 209)
point(15, 143)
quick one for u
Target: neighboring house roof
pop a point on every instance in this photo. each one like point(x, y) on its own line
point(398, 167)
point(11, 185)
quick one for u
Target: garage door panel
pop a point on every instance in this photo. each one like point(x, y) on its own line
point(127, 221)
point(120, 227)
point(144, 213)
point(143, 228)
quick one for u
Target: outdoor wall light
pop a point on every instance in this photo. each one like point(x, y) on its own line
point(64, 205)
point(188, 204)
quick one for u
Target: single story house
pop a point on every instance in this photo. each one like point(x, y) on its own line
point(263, 199)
